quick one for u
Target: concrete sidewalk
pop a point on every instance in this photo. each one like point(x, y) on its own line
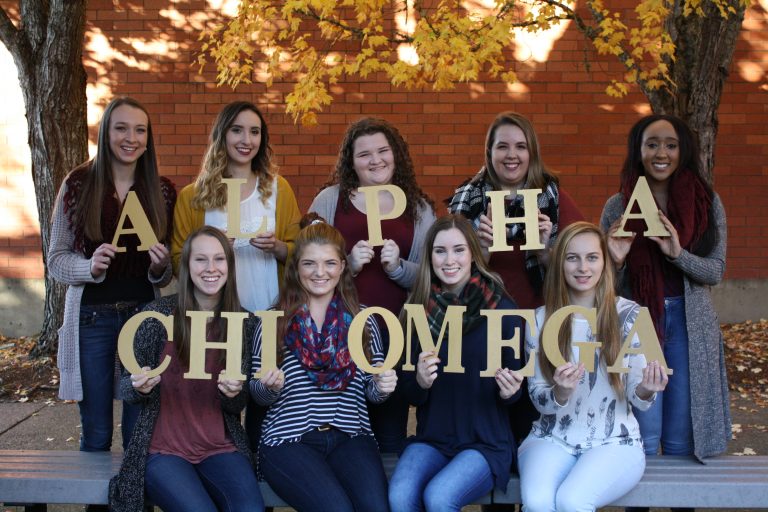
point(56, 426)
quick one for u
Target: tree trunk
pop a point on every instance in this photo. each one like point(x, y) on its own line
point(47, 50)
point(704, 51)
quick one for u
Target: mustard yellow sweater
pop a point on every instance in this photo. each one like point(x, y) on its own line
point(187, 219)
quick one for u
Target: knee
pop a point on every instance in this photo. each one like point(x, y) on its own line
point(538, 502)
point(404, 496)
point(572, 502)
point(437, 499)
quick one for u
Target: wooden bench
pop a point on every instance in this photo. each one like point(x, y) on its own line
point(36, 476)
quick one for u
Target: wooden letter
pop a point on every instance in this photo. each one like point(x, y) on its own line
point(551, 330)
point(132, 209)
point(355, 340)
point(128, 333)
point(649, 344)
point(496, 343)
point(268, 341)
point(198, 345)
point(417, 316)
point(500, 221)
point(233, 210)
point(648, 212)
point(373, 212)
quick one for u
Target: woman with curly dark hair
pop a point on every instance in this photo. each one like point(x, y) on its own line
point(374, 153)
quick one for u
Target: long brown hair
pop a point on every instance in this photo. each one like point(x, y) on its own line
point(426, 274)
point(228, 300)
point(87, 211)
point(556, 297)
point(210, 191)
point(538, 175)
point(404, 175)
point(292, 294)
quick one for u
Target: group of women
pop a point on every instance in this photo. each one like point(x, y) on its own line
point(316, 424)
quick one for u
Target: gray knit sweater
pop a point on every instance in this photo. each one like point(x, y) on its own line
point(710, 406)
point(325, 205)
point(72, 268)
point(126, 489)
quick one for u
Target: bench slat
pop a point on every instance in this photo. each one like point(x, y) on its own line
point(36, 476)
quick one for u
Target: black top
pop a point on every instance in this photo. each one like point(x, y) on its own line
point(463, 410)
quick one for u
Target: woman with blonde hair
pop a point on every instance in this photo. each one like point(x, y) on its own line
point(585, 450)
point(239, 148)
point(463, 446)
point(317, 450)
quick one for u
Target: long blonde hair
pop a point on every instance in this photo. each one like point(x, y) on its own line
point(556, 297)
point(210, 191)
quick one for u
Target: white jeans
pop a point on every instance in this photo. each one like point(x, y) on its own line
point(551, 479)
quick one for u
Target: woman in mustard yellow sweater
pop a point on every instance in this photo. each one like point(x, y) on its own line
point(239, 148)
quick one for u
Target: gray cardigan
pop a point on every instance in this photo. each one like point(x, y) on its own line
point(710, 406)
point(74, 269)
point(325, 205)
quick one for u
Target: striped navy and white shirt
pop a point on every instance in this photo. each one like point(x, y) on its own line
point(302, 406)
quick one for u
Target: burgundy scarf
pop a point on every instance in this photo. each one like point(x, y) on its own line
point(688, 207)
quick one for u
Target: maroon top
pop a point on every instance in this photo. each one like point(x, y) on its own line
point(190, 424)
point(374, 287)
point(510, 265)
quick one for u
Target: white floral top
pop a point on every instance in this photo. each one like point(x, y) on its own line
point(594, 415)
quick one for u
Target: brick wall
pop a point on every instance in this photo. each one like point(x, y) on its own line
point(145, 49)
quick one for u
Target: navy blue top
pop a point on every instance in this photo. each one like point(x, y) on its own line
point(463, 410)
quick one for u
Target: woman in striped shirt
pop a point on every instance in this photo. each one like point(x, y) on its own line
point(317, 450)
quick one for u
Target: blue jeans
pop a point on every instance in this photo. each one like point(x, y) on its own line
point(425, 479)
point(221, 483)
point(327, 471)
point(668, 421)
point(99, 328)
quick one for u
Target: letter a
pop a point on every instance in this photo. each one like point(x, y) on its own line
point(648, 211)
point(649, 344)
point(132, 209)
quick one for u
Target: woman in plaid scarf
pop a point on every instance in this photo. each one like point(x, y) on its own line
point(463, 446)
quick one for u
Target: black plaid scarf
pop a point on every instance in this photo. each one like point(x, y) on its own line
point(470, 200)
point(479, 293)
